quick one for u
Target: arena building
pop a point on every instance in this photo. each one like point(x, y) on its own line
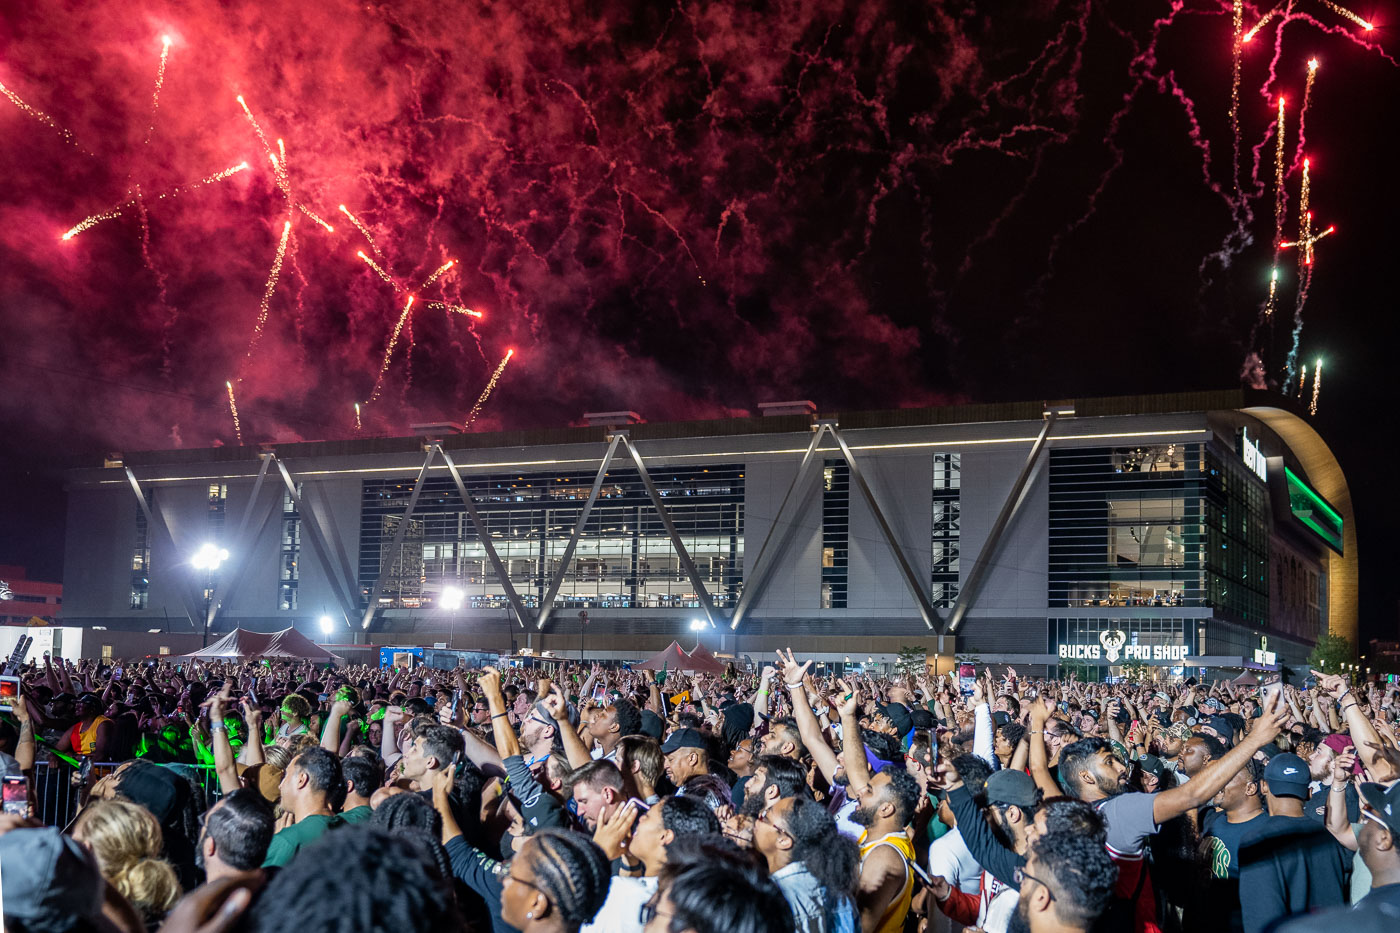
point(1196, 531)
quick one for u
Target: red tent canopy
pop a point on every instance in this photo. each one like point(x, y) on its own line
point(242, 643)
point(704, 662)
point(672, 659)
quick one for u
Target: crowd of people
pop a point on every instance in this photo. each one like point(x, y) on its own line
point(281, 796)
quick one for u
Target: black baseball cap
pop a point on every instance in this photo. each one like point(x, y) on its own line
point(1385, 802)
point(898, 714)
point(1287, 776)
point(1152, 765)
point(684, 738)
point(1009, 786)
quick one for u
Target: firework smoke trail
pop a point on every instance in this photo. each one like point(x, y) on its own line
point(1343, 11)
point(1280, 189)
point(253, 121)
point(358, 426)
point(268, 289)
point(440, 270)
point(486, 392)
point(454, 309)
point(378, 270)
point(1237, 56)
point(1264, 20)
point(1317, 387)
point(314, 216)
point(389, 350)
point(42, 117)
point(233, 409)
point(87, 223)
point(160, 82)
point(1304, 244)
point(364, 232)
point(1280, 208)
point(1303, 111)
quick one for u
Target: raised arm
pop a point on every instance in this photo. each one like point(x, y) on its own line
point(1198, 791)
point(807, 725)
point(24, 748)
point(1364, 736)
point(1337, 823)
point(330, 735)
point(760, 697)
point(1039, 758)
point(574, 749)
point(852, 747)
point(224, 769)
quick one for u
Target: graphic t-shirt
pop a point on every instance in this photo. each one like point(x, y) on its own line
point(1224, 838)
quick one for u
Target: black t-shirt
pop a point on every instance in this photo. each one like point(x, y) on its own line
point(1316, 807)
point(1288, 865)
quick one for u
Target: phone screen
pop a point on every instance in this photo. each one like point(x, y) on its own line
point(16, 794)
point(9, 693)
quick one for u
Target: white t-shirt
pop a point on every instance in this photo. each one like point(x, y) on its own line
point(622, 911)
point(948, 857)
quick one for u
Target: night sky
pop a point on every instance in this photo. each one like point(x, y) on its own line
point(680, 209)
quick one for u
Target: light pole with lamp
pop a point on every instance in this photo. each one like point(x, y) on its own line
point(697, 626)
point(208, 558)
point(327, 626)
point(451, 599)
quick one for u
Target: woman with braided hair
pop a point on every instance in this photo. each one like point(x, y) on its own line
point(556, 884)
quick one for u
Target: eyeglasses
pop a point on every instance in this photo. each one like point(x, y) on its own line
point(765, 818)
point(1020, 875)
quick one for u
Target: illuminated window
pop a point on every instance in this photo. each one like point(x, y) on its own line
point(836, 513)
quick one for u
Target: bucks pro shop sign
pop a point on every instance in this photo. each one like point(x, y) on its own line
point(1113, 646)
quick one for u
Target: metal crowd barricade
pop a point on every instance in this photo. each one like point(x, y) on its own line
point(56, 797)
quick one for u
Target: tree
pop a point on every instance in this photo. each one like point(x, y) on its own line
point(1082, 671)
point(911, 662)
point(1330, 653)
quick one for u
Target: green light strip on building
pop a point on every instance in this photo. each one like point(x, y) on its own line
point(1314, 511)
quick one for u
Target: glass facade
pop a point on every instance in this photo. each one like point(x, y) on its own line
point(836, 518)
point(1159, 642)
point(141, 560)
point(947, 528)
point(624, 557)
point(288, 575)
point(1237, 546)
point(1126, 526)
point(218, 506)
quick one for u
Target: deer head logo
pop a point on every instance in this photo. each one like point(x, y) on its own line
point(1112, 641)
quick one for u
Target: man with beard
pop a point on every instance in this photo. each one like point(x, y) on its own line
point(998, 841)
point(1320, 773)
point(1090, 771)
point(1198, 752)
point(885, 806)
point(774, 778)
point(1066, 885)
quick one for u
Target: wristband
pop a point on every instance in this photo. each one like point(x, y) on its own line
point(1349, 706)
point(499, 715)
point(218, 727)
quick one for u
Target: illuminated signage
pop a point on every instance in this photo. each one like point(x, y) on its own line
point(1315, 512)
point(1253, 456)
point(1262, 654)
point(1112, 654)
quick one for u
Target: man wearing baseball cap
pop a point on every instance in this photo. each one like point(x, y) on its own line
point(1288, 864)
point(1378, 844)
point(1320, 770)
point(1012, 799)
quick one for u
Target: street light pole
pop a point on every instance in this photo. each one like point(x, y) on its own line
point(208, 558)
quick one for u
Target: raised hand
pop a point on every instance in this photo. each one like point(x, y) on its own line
point(490, 681)
point(615, 830)
point(849, 703)
point(1334, 684)
point(1342, 766)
